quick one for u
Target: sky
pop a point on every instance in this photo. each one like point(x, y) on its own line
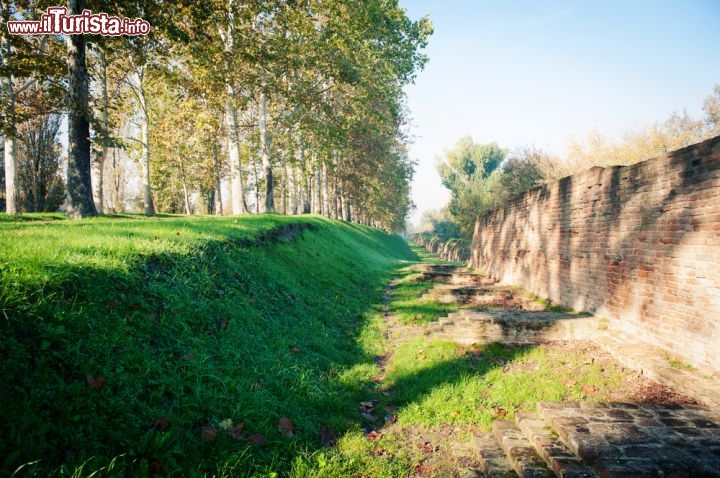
point(537, 73)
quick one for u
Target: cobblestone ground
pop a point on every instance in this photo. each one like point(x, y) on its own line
point(639, 440)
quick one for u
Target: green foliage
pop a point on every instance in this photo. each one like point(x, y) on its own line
point(468, 171)
point(469, 162)
point(134, 343)
point(483, 177)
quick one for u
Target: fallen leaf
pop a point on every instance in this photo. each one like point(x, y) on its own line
point(286, 427)
point(257, 439)
point(208, 433)
point(426, 447)
point(569, 382)
point(327, 436)
point(377, 451)
point(499, 411)
point(155, 468)
point(235, 431)
point(374, 436)
point(588, 389)
point(422, 470)
point(95, 382)
point(162, 425)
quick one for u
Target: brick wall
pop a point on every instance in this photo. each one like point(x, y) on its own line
point(457, 250)
point(639, 245)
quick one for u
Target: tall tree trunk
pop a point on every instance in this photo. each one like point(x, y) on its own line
point(317, 184)
point(333, 190)
point(10, 174)
point(9, 141)
point(78, 171)
point(292, 187)
point(98, 164)
point(237, 186)
point(239, 205)
point(307, 186)
point(116, 184)
point(148, 203)
point(341, 200)
point(257, 188)
point(325, 190)
point(283, 185)
point(183, 180)
point(307, 200)
point(265, 154)
point(216, 177)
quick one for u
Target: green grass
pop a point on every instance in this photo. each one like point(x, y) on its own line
point(408, 303)
point(129, 340)
point(438, 382)
point(680, 365)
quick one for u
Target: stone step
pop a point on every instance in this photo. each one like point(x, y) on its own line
point(456, 278)
point(519, 451)
point(551, 449)
point(626, 440)
point(653, 364)
point(492, 458)
point(471, 326)
point(439, 268)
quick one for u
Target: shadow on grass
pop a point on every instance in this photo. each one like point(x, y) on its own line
point(162, 360)
point(432, 388)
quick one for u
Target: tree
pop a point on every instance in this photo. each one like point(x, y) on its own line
point(464, 171)
point(522, 171)
point(41, 186)
point(78, 176)
point(711, 107)
point(24, 61)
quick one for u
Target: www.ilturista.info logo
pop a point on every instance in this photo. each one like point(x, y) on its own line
point(57, 22)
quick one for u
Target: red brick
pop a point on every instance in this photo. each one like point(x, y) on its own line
point(654, 245)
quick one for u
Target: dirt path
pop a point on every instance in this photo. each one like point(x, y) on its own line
point(439, 451)
point(448, 448)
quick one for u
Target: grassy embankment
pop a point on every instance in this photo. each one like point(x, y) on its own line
point(185, 346)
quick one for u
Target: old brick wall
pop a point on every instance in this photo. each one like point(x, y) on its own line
point(639, 245)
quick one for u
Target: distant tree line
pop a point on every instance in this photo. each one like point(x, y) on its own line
point(225, 107)
point(482, 177)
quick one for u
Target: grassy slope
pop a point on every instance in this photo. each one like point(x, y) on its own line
point(140, 338)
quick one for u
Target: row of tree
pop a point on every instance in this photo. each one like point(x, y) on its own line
point(226, 106)
point(482, 177)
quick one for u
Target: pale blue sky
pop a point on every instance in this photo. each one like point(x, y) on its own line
point(538, 72)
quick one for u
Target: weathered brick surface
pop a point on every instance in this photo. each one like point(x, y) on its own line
point(639, 245)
